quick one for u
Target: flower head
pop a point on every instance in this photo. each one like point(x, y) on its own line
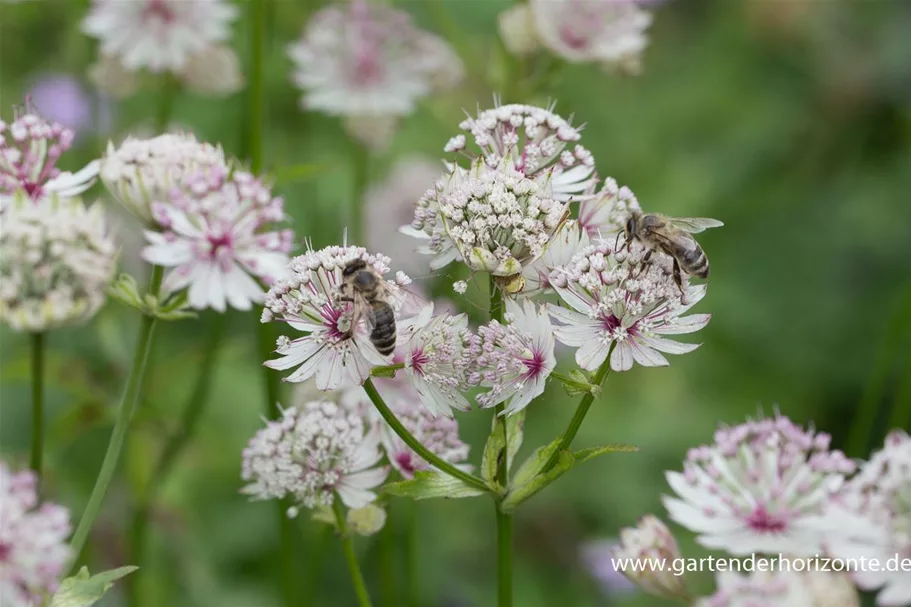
point(651, 541)
point(56, 261)
point(517, 30)
point(760, 589)
point(214, 237)
point(315, 451)
point(763, 486)
point(369, 59)
point(608, 32)
point(603, 215)
point(569, 240)
point(160, 35)
point(336, 352)
point(33, 549)
point(515, 359)
point(617, 297)
point(143, 171)
point(30, 147)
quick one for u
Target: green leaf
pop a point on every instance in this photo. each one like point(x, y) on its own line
point(515, 434)
point(532, 466)
point(81, 590)
point(520, 493)
point(427, 484)
point(125, 290)
point(586, 454)
point(493, 451)
point(386, 371)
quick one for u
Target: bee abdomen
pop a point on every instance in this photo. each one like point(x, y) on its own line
point(696, 263)
point(383, 334)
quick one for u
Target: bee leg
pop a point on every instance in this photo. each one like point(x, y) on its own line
point(648, 255)
point(679, 280)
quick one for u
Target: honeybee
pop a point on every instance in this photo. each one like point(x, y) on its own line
point(368, 292)
point(671, 235)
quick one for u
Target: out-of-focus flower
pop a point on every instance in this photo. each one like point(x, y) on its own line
point(159, 35)
point(390, 204)
point(881, 494)
point(315, 451)
point(110, 77)
point(374, 132)
point(618, 297)
point(760, 589)
point(649, 542)
point(61, 99)
point(142, 171)
point(515, 359)
point(599, 560)
point(569, 241)
point(765, 486)
point(608, 32)
point(830, 589)
point(604, 215)
point(33, 549)
point(30, 147)
point(214, 70)
point(517, 30)
point(338, 354)
point(56, 261)
point(214, 236)
point(366, 520)
point(368, 59)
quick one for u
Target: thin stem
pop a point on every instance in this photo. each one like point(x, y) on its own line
point(581, 411)
point(121, 424)
point(386, 547)
point(257, 90)
point(169, 88)
point(412, 562)
point(496, 300)
point(360, 588)
point(415, 444)
point(504, 558)
point(315, 563)
point(901, 410)
point(37, 403)
point(360, 159)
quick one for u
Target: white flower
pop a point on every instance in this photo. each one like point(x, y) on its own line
point(33, 549)
point(651, 541)
point(516, 359)
point(881, 493)
point(111, 78)
point(160, 35)
point(143, 171)
point(214, 70)
point(368, 59)
point(427, 225)
point(312, 453)
point(608, 32)
point(337, 354)
point(620, 298)
point(603, 215)
point(760, 589)
point(56, 261)
point(214, 237)
point(765, 486)
point(517, 30)
point(30, 147)
point(568, 241)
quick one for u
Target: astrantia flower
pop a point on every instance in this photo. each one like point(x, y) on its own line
point(881, 494)
point(651, 541)
point(143, 171)
point(30, 147)
point(760, 589)
point(56, 261)
point(427, 225)
point(307, 298)
point(617, 297)
point(608, 32)
point(604, 215)
point(315, 451)
point(517, 30)
point(516, 359)
point(438, 361)
point(368, 59)
point(33, 549)
point(215, 236)
point(159, 35)
point(763, 486)
point(568, 241)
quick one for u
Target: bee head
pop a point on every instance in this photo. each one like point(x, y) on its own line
point(631, 225)
point(355, 265)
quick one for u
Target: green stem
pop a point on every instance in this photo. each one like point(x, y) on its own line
point(360, 588)
point(360, 158)
point(901, 410)
point(581, 411)
point(412, 537)
point(315, 563)
point(504, 558)
point(257, 90)
point(415, 445)
point(121, 424)
point(169, 88)
point(386, 547)
point(37, 403)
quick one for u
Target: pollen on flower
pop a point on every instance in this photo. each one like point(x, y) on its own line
point(460, 287)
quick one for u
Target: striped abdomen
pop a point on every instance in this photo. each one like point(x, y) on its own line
point(694, 262)
point(383, 334)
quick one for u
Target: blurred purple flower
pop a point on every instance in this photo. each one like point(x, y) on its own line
point(61, 98)
point(598, 559)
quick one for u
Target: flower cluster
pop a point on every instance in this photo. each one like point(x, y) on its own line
point(569, 240)
point(30, 147)
point(604, 214)
point(214, 237)
point(618, 299)
point(56, 261)
point(33, 549)
point(314, 452)
point(651, 541)
point(337, 348)
point(175, 36)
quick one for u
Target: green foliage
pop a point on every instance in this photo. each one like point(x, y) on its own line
point(430, 484)
point(81, 590)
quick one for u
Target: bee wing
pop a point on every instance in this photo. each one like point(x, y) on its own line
point(694, 225)
point(361, 311)
point(405, 301)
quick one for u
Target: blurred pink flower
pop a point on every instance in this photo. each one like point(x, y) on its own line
point(61, 98)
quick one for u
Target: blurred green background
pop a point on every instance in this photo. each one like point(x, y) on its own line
point(788, 120)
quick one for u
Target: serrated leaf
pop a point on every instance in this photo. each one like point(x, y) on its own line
point(522, 492)
point(586, 454)
point(532, 466)
point(575, 390)
point(428, 484)
point(493, 451)
point(387, 371)
point(515, 434)
point(81, 590)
